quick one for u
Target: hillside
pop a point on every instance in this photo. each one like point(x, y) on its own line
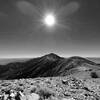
point(50, 65)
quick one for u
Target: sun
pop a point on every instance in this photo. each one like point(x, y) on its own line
point(49, 20)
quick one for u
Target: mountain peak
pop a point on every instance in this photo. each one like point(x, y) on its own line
point(52, 56)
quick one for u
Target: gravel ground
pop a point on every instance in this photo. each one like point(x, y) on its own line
point(55, 87)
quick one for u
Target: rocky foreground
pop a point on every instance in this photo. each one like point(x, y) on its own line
point(51, 88)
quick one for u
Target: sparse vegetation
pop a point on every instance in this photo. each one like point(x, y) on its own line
point(45, 93)
point(94, 75)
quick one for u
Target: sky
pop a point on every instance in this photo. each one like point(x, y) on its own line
point(23, 33)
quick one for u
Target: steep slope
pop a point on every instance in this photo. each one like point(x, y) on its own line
point(47, 66)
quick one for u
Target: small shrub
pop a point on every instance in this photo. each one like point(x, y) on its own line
point(94, 75)
point(33, 90)
point(19, 89)
point(45, 93)
point(20, 84)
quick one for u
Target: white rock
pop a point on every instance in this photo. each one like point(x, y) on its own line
point(32, 96)
point(35, 96)
point(68, 99)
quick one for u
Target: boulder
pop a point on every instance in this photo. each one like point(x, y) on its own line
point(35, 96)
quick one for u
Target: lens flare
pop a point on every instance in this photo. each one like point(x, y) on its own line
point(49, 20)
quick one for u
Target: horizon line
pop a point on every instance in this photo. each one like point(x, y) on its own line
point(30, 57)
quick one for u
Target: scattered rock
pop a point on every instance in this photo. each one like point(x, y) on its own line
point(65, 82)
point(63, 88)
point(75, 83)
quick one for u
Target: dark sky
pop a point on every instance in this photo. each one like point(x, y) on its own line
point(22, 33)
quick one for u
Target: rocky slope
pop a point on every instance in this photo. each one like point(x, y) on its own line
point(52, 88)
point(50, 65)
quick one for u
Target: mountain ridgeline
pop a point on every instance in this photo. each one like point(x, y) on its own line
point(50, 65)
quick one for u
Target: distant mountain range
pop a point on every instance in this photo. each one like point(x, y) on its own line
point(50, 65)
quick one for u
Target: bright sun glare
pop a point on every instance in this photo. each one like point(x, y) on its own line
point(49, 20)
